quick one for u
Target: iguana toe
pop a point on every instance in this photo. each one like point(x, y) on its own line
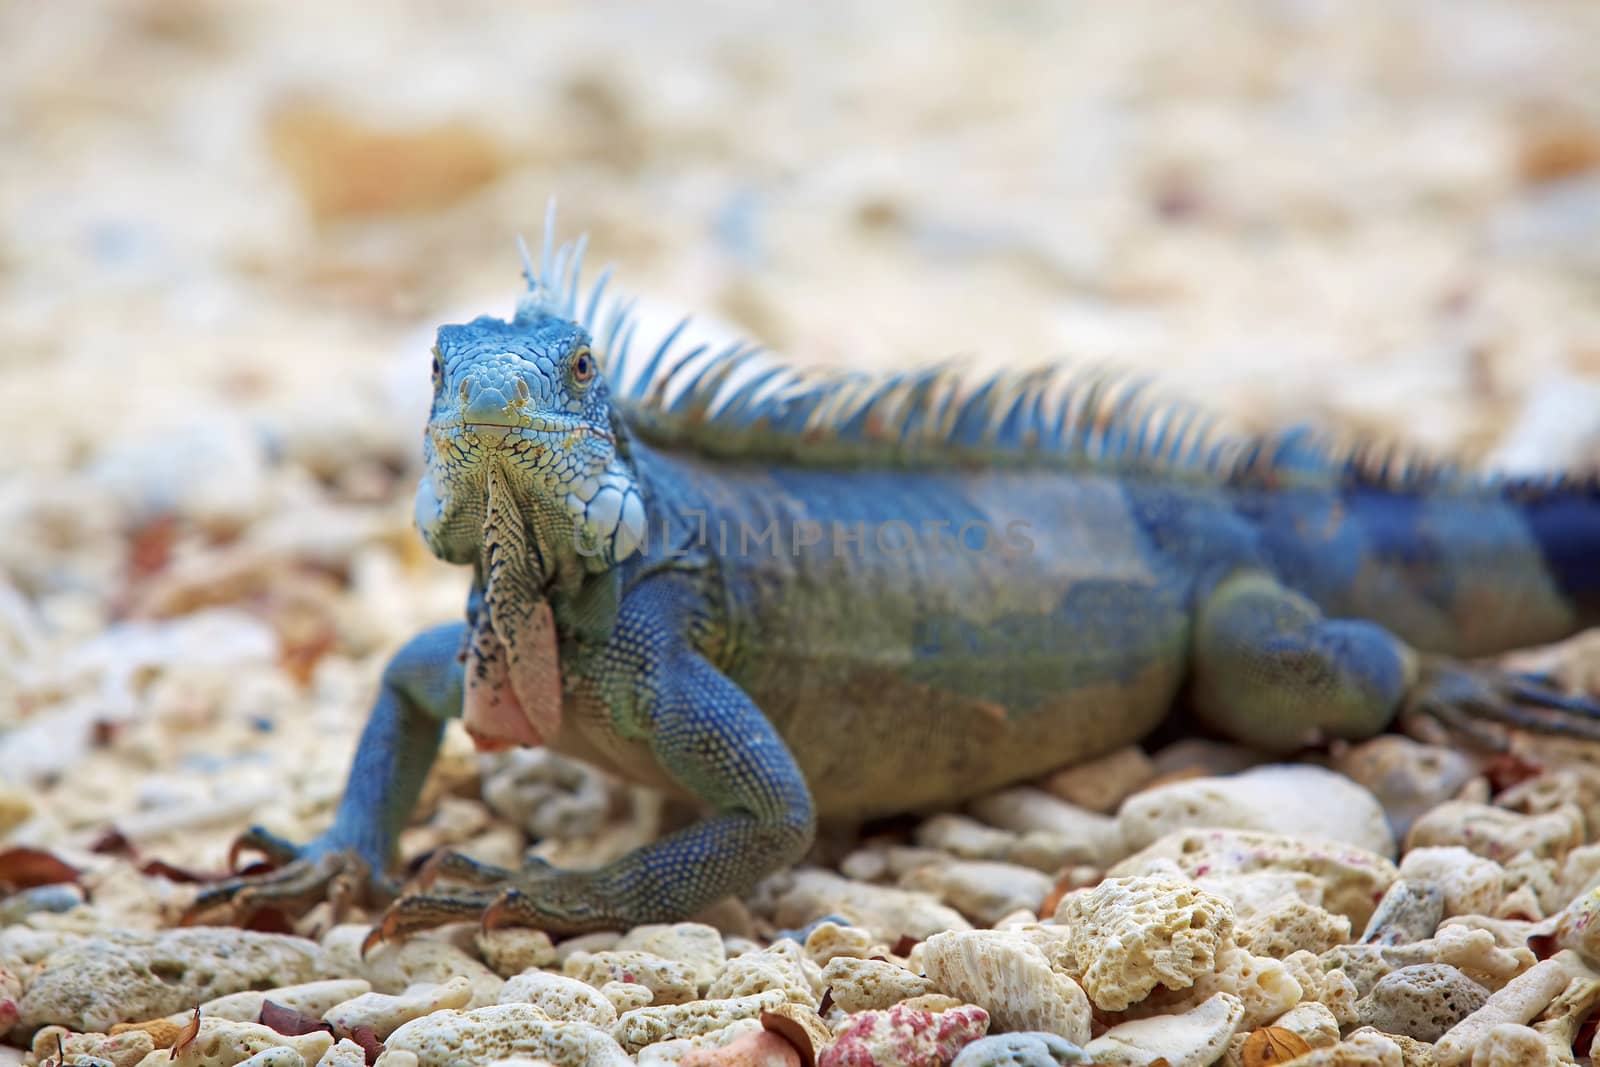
point(301, 876)
point(1481, 704)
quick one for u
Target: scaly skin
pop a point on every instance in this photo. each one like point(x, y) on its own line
point(784, 642)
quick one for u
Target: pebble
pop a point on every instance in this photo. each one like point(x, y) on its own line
point(887, 912)
point(904, 1037)
point(829, 940)
point(1511, 1045)
point(383, 1013)
point(1407, 778)
point(1497, 834)
point(123, 977)
point(1010, 977)
point(226, 1042)
point(1422, 1001)
point(344, 1053)
point(671, 1051)
point(1101, 785)
point(1195, 1038)
point(1096, 838)
point(982, 891)
point(547, 794)
point(1327, 806)
point(121, 1050)
point(1130, 935)
point(455, 1038)
point(1471, 884)
point(1524, 997)
point(1026, 1048)
point(1409, 911)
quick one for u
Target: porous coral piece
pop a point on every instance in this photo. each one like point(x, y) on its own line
point(1364, 1048)
point(1475, 952)
point(695, 945)
point(1195, 1038)
point(1471, 884)
point(625, 996)
point(121, 1050)
point(887, 912)
point(1352, 879)
point(1329, 807)
point(510, 950)
point(669, 1053)
point(1559, 1023)
point(384, 1012)
point(1263, 985)
point(1522, 998)
point(394, 967)
point(1576, 926)
point(1511, 1045)
point(90, 984)
point(1309, 1020)
point(660, 1022)
point(669, 981)
point(871, 985)
point(560, 997)
point(1422, 1001)
point(782, 965)
point(453, 1038)
point(1330, 987)
point(1011, 978)
point(828, 940)
point(1130, 935)
point(904, 1037)
point(227, 1042)
point(344, 1053)
point(1497, 834)
point(1291, 925)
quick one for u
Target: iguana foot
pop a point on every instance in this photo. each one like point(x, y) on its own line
point(1480, 703)
point(299, 878)
point(539, 896)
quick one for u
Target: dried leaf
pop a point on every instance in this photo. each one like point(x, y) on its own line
point(367, 1038)
point(1272, 1045)
point(182, 875)
point(24, 868)
point(285, 1020)
point(904, 946)
point(186, 1038)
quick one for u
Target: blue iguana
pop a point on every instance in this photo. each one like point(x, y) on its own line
point(792, 594)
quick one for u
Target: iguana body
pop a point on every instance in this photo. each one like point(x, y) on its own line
point(794, 598)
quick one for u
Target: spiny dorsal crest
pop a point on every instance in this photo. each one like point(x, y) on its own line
point(741, 402)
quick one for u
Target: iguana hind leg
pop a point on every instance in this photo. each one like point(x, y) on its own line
point(1271, 671)
point(708, 736)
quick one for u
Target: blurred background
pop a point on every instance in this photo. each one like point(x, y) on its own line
point(228, 228)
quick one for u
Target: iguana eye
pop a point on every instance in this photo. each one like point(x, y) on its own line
point(437, 370)
point(582, 367)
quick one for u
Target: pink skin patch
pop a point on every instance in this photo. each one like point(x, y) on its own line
point(513, 700)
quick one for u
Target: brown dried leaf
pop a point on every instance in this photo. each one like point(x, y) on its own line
point(185, 1039)
point(288, 1022)
point(24, 868)
point(1272, 1045)
point(367, 1038)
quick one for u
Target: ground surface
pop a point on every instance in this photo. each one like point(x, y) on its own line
point(227, 230)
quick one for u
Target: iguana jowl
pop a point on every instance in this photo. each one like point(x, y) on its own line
point(791, 595)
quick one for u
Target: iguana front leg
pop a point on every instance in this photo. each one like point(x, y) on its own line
point(709, 738)
point(421, 688)
point(1269, 670)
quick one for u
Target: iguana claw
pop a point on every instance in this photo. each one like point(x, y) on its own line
point(1481, 704)
point(300, 877)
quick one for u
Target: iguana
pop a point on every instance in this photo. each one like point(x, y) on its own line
point(795, 594)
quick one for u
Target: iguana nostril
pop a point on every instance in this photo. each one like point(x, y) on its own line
point(522, 390)
point(466, 390)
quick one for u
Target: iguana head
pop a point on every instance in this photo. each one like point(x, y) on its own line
point(520, 407)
